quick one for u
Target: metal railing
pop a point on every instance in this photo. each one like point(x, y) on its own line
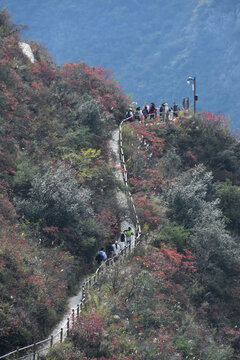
point(35, 350)
point(161, 115)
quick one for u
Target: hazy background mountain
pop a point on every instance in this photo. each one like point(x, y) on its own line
point(152, 46)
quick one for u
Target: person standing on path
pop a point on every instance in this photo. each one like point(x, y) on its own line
point(122, 241)
point(129, 234)
point(129, 114)
point(175, 110)
point(109, 250)
point(116, 248)
point(145, 110)
point(152, 111)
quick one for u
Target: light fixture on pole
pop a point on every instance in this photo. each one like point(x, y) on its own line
point(195, 97)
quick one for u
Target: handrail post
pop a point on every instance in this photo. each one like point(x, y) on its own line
point(78, 312)
point(68, 327)
point(83, 293)
point(51, 342)
point(34, 351)
point(73, 316)
point(61, 336)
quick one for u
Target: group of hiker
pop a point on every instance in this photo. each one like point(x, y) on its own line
point(165, 112)
point(113, 249)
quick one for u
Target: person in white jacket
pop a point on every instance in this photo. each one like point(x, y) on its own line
point(165, 112)
point(116, 248)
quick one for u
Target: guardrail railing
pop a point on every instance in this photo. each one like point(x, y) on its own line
point(35, 350)
point(161, 115)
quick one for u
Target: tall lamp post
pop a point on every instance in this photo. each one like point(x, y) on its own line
point(195, 96)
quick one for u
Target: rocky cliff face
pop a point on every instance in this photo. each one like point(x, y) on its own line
point(26, 49)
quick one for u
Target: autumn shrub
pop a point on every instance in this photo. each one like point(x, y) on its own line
point(88, 114)
point(193, 204)
point(187, 195)
point(170, 164)
point(147, 212)
point(77, 138)
point(229, 201)
point(34, 288)
point(211, 242)
point(24, 174)
point(55, 200)
point(89, 331)
point(64, 352)
point(205, 139)
point(193, 339)
point(174, 235)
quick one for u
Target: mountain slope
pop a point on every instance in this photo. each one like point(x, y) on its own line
point(56, 181)
point(177, 296)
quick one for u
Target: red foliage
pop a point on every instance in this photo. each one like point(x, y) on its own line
point(43, 71)
point(145, 211)
point(148, 134)
point(97, 82)
point(7, 210)
point(110, 222)
point(90, 327)
point(166, 262)
point(191, 157)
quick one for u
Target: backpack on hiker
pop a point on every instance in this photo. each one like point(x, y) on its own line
point(122, 238)
point(99, 257)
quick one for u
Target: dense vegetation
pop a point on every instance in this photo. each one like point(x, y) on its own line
point(56, 182)
point(178, 296)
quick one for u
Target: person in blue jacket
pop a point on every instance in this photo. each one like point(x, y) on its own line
point(101, 256)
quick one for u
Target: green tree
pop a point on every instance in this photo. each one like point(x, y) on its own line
point(230, 203)
point(57, 202)
point(187, 195)
point(212, 244)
